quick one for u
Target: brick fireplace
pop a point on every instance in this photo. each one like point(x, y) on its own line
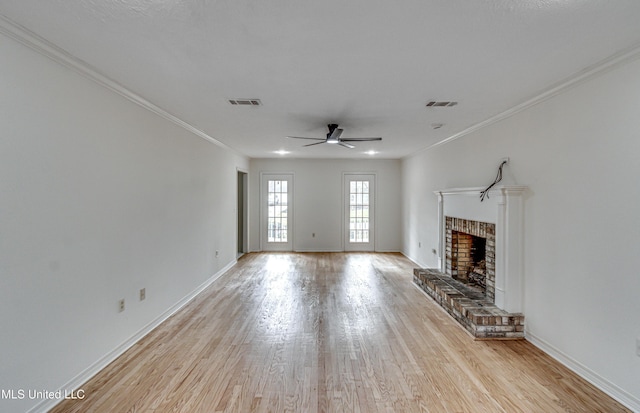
point(499, 219)
point(479, 280)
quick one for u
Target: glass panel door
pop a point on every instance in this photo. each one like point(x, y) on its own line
point(277, 212)
point(359, 218)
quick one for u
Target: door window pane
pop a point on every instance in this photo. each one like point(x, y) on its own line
point(359, 212)
point(277, 211)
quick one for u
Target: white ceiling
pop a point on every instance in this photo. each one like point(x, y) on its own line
point(369, 65)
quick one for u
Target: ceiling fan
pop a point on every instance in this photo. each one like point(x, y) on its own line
point(334, 137)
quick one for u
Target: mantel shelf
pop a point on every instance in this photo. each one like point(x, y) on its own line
point(477, 190)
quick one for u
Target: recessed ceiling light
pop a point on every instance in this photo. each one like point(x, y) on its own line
point(371, 152)
point(281, 152)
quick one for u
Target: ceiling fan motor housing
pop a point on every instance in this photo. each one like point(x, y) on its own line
point(334, 133)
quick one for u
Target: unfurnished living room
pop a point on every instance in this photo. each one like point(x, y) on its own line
point(330, 206)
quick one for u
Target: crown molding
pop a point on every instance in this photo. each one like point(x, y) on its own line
point(44, 47)
point(610, 63)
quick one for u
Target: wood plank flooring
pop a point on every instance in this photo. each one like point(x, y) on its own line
point(328, 332)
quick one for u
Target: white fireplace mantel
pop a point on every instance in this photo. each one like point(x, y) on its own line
point(504, 208)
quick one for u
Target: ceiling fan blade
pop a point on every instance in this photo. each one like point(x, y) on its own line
point(346, 145)
point(317, 143)
point(301, 137)
point(360, 139)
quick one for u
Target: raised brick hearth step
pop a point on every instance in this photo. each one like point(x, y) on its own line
point(469, 306)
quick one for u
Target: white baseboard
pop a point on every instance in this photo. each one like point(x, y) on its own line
point(419, 264)
point(329, 250)
point(100, 364)
point(314, 250)
point(622, 396)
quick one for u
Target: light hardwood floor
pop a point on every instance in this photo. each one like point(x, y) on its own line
point(328, 332)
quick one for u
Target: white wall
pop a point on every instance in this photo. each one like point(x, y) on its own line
point(318, 201)
point(98, 198)
point(579, 154)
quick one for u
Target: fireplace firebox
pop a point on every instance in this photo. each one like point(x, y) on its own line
point(470, 253)
point(468, 263)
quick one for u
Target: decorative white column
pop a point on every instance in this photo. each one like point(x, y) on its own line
point(442, 255)
point(509, 249)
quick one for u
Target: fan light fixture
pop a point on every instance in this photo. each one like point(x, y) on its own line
point(335, 136)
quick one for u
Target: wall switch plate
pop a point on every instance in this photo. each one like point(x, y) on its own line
point(143, 293)
point(121, 305)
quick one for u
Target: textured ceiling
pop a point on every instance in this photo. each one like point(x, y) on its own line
point(369, 65)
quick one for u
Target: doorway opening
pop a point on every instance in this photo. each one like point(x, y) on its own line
point(242, 214)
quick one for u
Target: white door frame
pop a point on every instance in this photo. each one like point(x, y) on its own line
point(346, 178)
point(280, 246)
point(242, 212)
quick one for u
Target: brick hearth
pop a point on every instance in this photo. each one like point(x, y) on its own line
point(469, 307)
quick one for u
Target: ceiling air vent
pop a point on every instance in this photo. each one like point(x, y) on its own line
point(434, 104)
point(245, 102)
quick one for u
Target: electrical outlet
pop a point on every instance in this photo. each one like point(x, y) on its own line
point(121, 305)
point(143, 293)
point(433, 250)
point(313, 235)
point(217, 253)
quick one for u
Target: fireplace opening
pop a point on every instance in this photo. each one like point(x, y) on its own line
point(470, 248)
point(468, 263)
